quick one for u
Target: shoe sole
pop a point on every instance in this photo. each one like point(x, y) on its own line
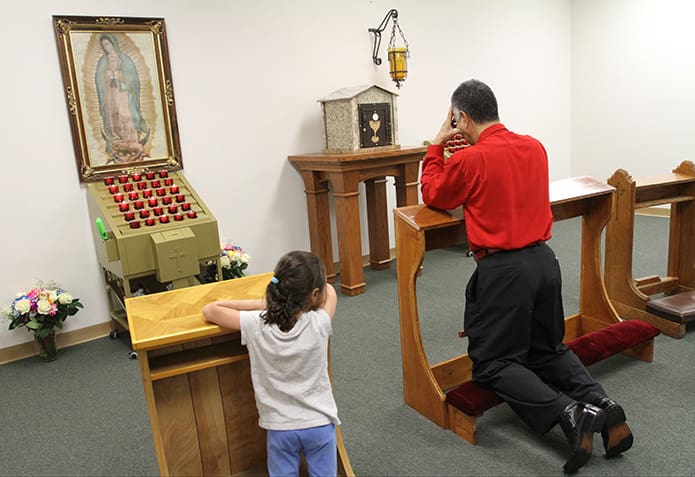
point(583, 452)
point(581, 455)
point(616, 434)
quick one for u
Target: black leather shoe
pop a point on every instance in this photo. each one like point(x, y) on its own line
point(616, 434)
point(579, 421)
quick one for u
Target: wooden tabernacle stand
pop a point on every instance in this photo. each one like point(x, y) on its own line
point(419, 228)
point(344, 171)
point(630, 296)
point(197, 383)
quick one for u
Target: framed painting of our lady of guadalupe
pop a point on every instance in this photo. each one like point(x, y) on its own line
point(119, 94)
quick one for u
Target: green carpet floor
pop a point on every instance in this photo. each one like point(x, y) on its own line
point(85, 414)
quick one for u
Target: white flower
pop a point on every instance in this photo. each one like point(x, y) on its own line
point(235, 256)
point(43, 306)
point(245, 258)
point(225, 261)
point(65, 298)
point(53, 295)
point(23, 306)
point(7, 310)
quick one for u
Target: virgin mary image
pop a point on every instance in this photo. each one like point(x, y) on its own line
point(125, 130)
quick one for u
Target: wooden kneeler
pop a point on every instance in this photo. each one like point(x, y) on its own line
point(419, 228)
point(635, 337)
point(634, 298)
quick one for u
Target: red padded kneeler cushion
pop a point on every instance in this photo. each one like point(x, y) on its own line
point(590, 348)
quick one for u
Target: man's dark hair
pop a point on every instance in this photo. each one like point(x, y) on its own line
point(477, 100)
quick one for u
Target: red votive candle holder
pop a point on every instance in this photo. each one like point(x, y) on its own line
point(129, 216)
point(166, 200)
point(146, 194)
point(149, 222)
point(142, 185)
point(163, 173)
point(113, 189)
point(127, 187)
point(139, 204)
point(152, 202)
point(172, 209)
point(136, 177)
point(192, 214)
point(124, 207)
point(180, 197)
point(158, 211)
point(122, 179)
point(174, 189)
point(156, 184)
point(135, 224)
point(178, 217)
point(144, 213)
point(149, 175)
point(118, 197)
point(161, 192)
point(164, 219)
point(185, 206)
point(169, 181)
point(108, 181)
point(132, 195)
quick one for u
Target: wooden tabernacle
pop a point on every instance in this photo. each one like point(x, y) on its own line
point(419, 228)
point(197, 383)
point(630, 296)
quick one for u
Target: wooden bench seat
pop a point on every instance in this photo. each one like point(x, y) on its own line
point(590, 348)
point(679, 307)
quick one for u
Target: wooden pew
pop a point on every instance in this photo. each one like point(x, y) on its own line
point(420, 228)
point(633, 298)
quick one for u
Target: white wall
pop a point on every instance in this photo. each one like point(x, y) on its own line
point(247, 77)
point(633, 99)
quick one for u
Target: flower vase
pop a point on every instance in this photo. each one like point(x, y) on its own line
point(47, 347)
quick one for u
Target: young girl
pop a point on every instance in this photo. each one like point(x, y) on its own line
point(286, 335)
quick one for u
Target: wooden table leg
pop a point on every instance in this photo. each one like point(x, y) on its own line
point(377, 220)
point(347, 215)
point(407, 184)
point(319, 220)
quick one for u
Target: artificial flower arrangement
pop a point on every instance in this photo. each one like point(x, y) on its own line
point(234, 260)
point(41, 310)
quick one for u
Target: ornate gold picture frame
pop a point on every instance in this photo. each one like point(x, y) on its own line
point(119, 94)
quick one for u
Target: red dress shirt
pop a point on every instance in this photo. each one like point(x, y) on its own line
point(502, 184)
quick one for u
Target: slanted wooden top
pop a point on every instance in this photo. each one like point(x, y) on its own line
point(327, 159)
point(564, 191)
point(575, 188)
point(175, 317)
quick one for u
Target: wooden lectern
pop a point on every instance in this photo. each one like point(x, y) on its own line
point(197, 383)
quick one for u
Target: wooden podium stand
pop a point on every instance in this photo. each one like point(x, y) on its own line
point(197, 383)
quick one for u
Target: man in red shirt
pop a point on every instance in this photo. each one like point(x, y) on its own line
point(514, 318)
